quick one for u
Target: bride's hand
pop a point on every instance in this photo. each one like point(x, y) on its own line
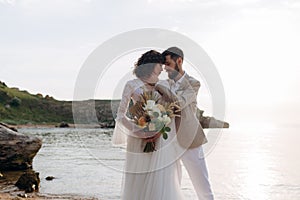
point(145, 134)
point(152, 139)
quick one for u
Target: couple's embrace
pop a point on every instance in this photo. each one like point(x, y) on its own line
point(156, 174)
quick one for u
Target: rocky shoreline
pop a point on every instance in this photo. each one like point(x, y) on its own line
point(19, 126)
point(17, 179)
point(9, 190)
point(38, 196)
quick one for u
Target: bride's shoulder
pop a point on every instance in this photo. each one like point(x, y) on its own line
point(134, 82)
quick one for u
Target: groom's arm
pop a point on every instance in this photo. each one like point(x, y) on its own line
point(187, 96)
point(189, 93)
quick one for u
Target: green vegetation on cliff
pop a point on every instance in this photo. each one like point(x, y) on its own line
point(21, 107)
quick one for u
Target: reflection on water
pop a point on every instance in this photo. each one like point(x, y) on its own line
point(256, 165)
point(244, 164)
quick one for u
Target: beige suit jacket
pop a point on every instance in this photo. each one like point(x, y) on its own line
point(189, 130)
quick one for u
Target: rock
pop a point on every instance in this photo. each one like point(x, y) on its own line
point(22, 195)
point(211, 122)
point(107, 124)
point(10, 127)
point(29, 181)
point(17, 150)
point(3, 84)
point(39, 95)
point(50, 178)
point(63, 125)
point(49, 97)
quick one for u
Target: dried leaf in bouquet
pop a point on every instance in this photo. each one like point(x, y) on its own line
point(137, 110)
point(154, 115)
point(149, 95)
point(173, 109)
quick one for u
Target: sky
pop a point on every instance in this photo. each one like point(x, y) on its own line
point(254, 45)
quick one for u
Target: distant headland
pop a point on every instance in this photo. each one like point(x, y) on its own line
point(19, 107)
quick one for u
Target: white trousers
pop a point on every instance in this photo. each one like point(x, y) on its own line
point(194, 162)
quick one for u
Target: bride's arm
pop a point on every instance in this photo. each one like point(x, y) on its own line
point(132, 128)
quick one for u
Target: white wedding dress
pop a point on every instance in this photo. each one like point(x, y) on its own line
point(147, 176)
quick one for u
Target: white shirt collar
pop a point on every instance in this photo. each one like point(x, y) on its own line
point(181, 79)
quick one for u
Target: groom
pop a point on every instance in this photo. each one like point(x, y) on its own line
point(189, 131)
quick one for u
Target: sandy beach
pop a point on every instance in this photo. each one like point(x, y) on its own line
point(35, 196)
point(8, 190)
point(40, 196)
point(54, 126)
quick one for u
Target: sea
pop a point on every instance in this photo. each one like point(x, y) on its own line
point(255, 162)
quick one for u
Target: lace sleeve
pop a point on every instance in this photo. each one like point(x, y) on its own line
point(120, 132)
point(123, 125)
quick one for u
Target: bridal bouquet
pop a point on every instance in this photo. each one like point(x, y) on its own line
point(152, 116)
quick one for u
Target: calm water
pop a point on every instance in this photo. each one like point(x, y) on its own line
point(246, 163)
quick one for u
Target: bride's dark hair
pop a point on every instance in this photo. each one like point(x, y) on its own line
point(146, 63)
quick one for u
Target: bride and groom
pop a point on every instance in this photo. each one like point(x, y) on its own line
point(157, 175)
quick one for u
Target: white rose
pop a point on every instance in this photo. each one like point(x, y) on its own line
point(156, 109)
point(151, 127)
point(166, 119)
point(160, 119)
point(150, 104)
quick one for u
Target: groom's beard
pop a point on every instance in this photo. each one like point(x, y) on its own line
point(174, 73)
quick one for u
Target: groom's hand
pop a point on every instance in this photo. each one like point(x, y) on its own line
point(166, 93)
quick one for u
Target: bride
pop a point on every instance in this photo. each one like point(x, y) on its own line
point(153, 175)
